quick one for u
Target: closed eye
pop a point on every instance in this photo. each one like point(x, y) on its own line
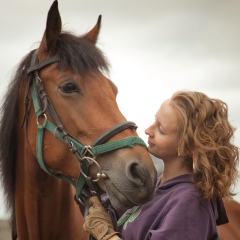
point(69, 88)
point(160, 131)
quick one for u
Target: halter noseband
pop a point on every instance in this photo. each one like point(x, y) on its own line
point(85, 154)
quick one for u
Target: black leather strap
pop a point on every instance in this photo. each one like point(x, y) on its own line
point(43, 63)
point(113, 131)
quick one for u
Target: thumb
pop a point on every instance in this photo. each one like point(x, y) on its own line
point(95, 201)
point(84, 227)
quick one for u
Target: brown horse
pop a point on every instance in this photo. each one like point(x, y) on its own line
point(57, 100)
point(231, 230)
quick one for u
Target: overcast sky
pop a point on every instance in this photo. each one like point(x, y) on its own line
point(155, 48)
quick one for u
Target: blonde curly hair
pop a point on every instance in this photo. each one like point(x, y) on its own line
point(205, 143)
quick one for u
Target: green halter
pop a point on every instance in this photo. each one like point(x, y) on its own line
point(85, 154)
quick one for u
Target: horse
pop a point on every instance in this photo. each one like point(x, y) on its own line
point(231, 230)
point(63, 137)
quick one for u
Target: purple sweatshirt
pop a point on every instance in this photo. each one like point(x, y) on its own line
point(176, 212)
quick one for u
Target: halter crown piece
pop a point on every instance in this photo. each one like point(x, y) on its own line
point(85, 154)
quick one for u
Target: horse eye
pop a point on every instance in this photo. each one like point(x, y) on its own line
point(69, 88)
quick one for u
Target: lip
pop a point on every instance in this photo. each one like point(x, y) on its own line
point(150, 143)
point(117, 196)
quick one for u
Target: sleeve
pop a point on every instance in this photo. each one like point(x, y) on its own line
point(186, 219)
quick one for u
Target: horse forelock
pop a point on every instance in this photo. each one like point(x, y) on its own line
point(80, 54)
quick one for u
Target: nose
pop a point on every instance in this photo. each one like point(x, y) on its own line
point(140, 179)
point(148, 131)
point(139, 175)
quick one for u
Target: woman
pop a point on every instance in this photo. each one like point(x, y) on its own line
point(192, 136)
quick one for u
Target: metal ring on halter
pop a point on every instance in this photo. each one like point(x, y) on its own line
point(45, 116)
point(70, 144)
point(100, 174)
point(39, 79)
point(79, 200)
point(90, 160)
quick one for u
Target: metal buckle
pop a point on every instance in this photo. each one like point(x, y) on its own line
point(88, 151)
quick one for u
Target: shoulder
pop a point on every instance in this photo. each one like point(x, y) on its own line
point(182, 195)
point(177, 187)
point(187, 195)
point(190, 208)
point(190, 200)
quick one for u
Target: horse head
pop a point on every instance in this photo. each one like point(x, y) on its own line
point(81, 134)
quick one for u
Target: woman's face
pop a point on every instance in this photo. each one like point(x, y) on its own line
point(164, 133)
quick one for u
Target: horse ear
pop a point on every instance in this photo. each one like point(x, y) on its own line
point(52, 31)
point(92, 35)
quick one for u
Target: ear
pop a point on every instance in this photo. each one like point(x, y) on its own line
point(52, 32)
point(92, 35)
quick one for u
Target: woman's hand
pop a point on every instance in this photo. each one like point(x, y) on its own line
point(98, 223)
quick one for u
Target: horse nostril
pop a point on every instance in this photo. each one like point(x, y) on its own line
point(136, 174)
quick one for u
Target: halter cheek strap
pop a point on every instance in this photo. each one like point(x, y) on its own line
point(85, 154)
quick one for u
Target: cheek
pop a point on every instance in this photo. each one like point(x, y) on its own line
point(162, 141)
point(58, 158)
point(166, 145)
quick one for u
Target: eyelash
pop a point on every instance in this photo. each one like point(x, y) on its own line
point(160, 131)
point(69, 88)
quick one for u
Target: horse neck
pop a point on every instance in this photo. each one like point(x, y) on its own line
point(44, 205)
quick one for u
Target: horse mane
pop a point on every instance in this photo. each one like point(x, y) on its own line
point(74, 51)
point(8, 123)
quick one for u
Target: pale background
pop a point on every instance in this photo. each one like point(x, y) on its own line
point(155, 48)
